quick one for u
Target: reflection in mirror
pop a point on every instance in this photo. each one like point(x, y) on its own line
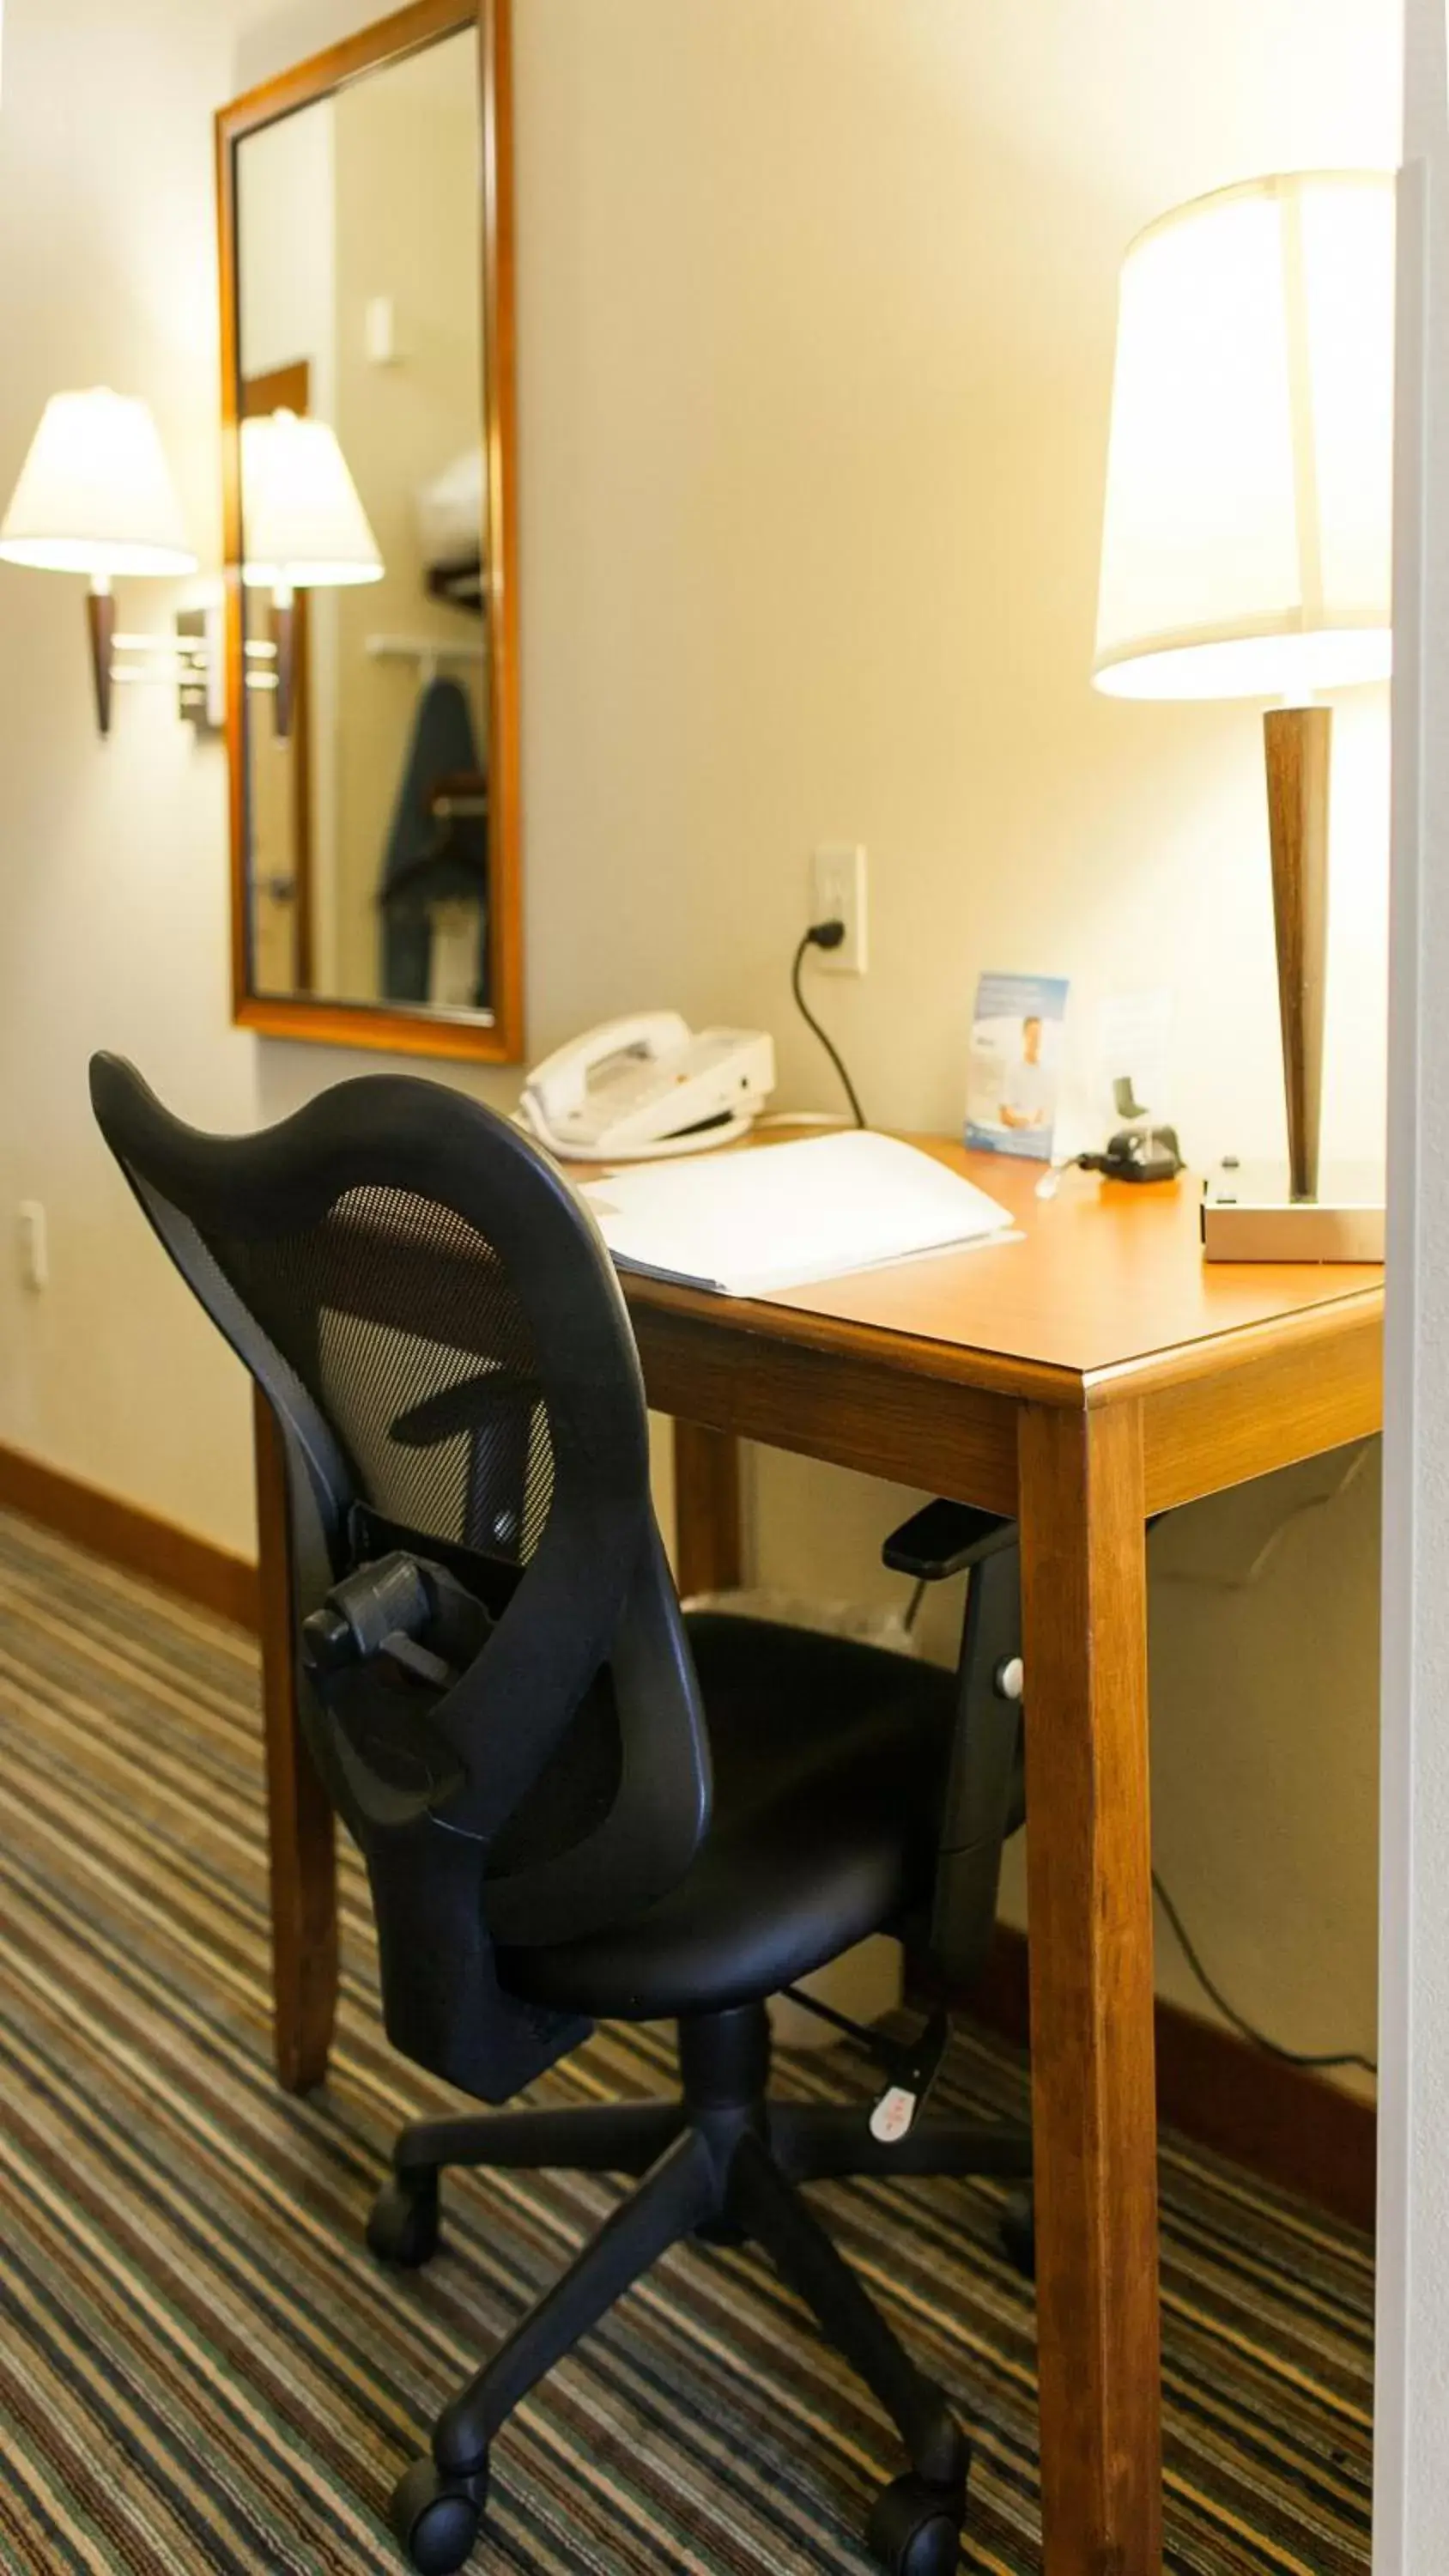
point(365, 727)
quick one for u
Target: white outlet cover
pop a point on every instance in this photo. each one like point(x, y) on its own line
point(838, 893)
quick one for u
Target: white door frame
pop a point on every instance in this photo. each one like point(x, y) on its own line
point(1411, 2414)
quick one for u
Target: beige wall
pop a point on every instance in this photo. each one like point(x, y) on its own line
point(287, 315)
point(408, 175)
point(112, 855)
point(287, 248)
point(816, 313)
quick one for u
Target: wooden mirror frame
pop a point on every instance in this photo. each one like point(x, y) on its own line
point(399, 1030)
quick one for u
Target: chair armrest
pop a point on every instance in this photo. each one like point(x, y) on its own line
point(984, 1799)
point(942, 1538)
point(982, 1794)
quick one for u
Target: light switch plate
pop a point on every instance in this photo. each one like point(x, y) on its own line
point(31, 1244)
point(379, 331)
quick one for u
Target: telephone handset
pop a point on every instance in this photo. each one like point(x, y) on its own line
point(647, 1085)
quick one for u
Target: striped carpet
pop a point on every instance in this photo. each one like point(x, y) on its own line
point(201, 2369)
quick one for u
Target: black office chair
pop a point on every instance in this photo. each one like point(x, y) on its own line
point(573, 1801)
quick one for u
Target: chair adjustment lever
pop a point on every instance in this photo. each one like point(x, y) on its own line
point(415, 1613)
point(913, 2069)
point(895, 2114)
point(363, 1611)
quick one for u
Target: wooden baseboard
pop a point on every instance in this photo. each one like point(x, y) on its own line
point(1281, 2121)
point(126, 1536)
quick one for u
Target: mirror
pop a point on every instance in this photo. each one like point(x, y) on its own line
point(371, 680)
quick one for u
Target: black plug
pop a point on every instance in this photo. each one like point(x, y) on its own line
point(1138, 1154)
point(824, 934)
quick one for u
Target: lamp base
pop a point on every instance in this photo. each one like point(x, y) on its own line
point(1249, 1215)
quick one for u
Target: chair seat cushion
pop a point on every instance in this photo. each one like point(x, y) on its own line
point(829, 1760)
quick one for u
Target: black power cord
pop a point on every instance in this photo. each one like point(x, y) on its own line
point(824, 934)
point(1245, 2029)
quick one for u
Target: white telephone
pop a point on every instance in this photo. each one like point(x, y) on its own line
point(646, 1086)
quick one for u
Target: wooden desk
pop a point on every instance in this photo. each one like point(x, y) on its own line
point(1082, 1377)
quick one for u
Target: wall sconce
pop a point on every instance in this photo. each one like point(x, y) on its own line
point(304, 527)
point(95, 496)
point(191, 659)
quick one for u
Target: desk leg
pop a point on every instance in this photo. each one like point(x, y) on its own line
point(1084, 1609)
point(302, 1842)
point(708, 1548)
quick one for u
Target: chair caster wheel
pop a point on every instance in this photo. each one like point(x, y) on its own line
point(403, 2225)
point(437, 2518)
point(1017, 2234)
point(915, 2528)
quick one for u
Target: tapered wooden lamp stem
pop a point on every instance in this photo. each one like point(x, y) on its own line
point(101, 626)
point(1297, 742)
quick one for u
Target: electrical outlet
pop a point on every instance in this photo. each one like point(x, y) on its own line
point(838, 894)
point(32, 1245)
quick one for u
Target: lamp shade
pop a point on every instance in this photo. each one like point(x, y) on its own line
point(1246, 545)
point(95, 493)
point(302, 521)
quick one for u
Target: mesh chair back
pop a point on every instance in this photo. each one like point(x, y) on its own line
point(438, 1329)
point(434, 1392)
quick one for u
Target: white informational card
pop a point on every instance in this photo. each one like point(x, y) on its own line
point(1016, 1064)
point(780, 1216)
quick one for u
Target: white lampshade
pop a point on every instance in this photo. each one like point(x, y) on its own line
point(1247, 540)
point(302, 521)
point(95, 493)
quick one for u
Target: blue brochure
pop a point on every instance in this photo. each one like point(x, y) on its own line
point(1016, 1064)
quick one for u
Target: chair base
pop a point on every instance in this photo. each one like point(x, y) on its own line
point(724, 2163)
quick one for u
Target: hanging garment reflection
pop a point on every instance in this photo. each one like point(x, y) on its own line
point(433, 887)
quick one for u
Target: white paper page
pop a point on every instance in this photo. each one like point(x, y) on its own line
point(779, 1216)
